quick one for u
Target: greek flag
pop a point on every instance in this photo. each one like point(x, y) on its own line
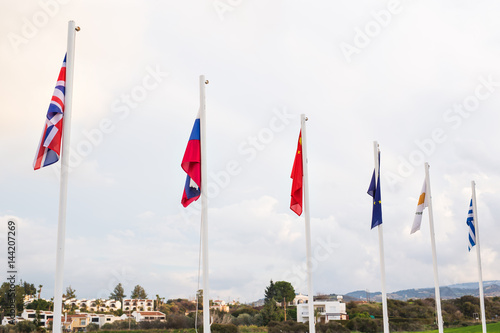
point(472, 228)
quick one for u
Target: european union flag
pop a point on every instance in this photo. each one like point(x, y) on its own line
point(374, 192)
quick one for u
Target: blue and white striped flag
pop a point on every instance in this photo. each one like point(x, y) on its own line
point(472, 228)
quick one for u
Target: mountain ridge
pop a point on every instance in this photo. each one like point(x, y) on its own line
point(491, 288)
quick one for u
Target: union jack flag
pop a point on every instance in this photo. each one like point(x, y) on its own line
point(49, 147)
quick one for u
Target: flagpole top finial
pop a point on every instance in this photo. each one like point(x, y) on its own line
point(206, 82)
point(77, 28)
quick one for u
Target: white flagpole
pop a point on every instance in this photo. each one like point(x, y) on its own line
point(478, 253)
point(204, 206)
point(307, 216)
point(63, 190)
point(381, 248)
point(433, 244)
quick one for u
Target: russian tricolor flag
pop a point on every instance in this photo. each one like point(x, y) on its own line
point(191, 164)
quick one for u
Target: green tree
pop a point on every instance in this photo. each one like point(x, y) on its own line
point(98, 304)
point(8, 296)
point(25, 326)
point(41, 304)
point(138, 293)
point(271, 312)
point(39, 290)
point(270, 292)
point(29, 289)
point(37, 317)
point(244, 309)
point(159, 302)
point(199, 297)
point(70, 293)
point(118, 294)
point(284, 291)
point(291, 313)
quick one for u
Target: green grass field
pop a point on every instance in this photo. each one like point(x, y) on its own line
point(491, 328)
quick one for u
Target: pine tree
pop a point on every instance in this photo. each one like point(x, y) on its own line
point(118, 294)
point(138, 293)
point(270, 292)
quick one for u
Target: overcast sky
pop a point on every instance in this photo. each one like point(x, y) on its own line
point(421, 78)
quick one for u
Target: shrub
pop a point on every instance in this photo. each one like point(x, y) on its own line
point(179, 321)
point(245, 309)
point(107, 326)
point(364, 325)
point(243, 319)
point(25, 326)
point(331, 326)
point(251, 329)
point(224, 328)
point(92, 327)
point(287, 327)
point(120, 325)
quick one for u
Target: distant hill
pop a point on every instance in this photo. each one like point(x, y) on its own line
point(364, 295)
point(491, 288)
point(474, 285)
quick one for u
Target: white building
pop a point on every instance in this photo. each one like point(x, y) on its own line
point(219, 305)
point(138, 304)
point(299, 299)
point(28, 299)
point(326, 311)
point(8, 320)
point(80, 319)
point(30, 315)
point(103, 305)
point(101, 319)
point(148, 316)
point(97, 305)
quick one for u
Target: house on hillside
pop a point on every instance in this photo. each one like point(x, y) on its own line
point(138, 305)
point(220, 306)
point(101, 319)
point(98, 305)
point(148, 316)
point(77, 322)
point(30, 315)
point(325, 311)
point(28, 299)
point(299, 299)
point(8, 320)
point(65, 324)
point(103, 305)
